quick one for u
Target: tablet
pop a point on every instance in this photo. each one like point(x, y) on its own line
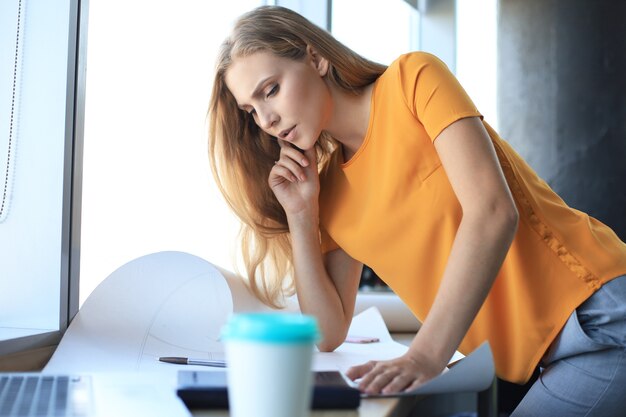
point(208, 390)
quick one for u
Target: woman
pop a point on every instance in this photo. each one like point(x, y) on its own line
point(332, 161)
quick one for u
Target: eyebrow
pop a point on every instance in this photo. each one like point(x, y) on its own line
point(257, 90)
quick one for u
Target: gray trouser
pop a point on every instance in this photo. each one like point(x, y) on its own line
point(584, 371)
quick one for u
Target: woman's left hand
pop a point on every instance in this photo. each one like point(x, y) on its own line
point(405, 373)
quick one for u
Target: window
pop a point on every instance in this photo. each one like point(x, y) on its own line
point(147, 184)
point(380, 31)
point(39, 164)
point(476, 54)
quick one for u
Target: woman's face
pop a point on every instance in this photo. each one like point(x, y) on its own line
point(288, 99)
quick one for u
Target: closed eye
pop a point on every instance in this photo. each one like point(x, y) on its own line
point(272, 92)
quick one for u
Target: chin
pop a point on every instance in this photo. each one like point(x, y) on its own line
point(306, 147)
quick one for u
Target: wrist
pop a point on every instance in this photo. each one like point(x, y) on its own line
point(421, 350)
point(428, 365)
point(308, 218)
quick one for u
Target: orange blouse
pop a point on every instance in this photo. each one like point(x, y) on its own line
point(392, 207)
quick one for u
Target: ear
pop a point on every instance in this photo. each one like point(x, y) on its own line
point(317, 61)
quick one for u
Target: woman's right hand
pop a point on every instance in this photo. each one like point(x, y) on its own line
point(295, 181)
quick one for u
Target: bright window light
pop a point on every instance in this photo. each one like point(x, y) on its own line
point(476, 60)
point(147, 185)
point(378, 30)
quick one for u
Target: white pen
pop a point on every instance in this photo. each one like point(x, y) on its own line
point(218, 363)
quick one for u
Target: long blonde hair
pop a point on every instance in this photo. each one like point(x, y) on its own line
point(242, 155)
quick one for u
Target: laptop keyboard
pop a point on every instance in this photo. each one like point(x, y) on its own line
point(26, 395)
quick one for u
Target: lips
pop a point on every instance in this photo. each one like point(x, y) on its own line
point(285, 134)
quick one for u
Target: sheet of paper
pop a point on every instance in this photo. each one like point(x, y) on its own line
point(368, 323)
point(474, 373)
point(166, 304)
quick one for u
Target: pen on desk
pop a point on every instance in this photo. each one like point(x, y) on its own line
point(189, 361)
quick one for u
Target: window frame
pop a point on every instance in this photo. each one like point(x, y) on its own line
point(72, 186)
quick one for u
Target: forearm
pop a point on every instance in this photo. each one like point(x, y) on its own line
point(480, 246)
point(317, 293)
point(326, 286)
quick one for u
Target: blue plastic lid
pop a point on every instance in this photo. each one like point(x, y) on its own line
point(272, 328)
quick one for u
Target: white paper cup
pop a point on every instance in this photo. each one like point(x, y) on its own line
point(269, 358)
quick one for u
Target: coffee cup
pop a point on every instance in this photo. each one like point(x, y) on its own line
point(269, 358)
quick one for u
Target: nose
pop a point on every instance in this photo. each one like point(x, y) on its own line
point(267, 119)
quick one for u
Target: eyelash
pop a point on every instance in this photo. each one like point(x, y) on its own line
point(272, 92)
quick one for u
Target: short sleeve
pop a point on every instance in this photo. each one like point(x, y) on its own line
point(327, 243)
point(432, 92)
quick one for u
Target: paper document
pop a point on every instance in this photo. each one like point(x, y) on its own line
point(367, 323)
point(474, 373)
point(175, 304)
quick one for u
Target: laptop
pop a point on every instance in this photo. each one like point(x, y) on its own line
point(100, 394)
point(33, 394)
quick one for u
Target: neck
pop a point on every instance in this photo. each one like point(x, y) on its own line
point(349, 118)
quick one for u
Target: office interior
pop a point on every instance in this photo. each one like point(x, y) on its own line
point(548, 74)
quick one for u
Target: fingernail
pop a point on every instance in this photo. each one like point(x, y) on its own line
point(302, 178)
point(305, 162)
